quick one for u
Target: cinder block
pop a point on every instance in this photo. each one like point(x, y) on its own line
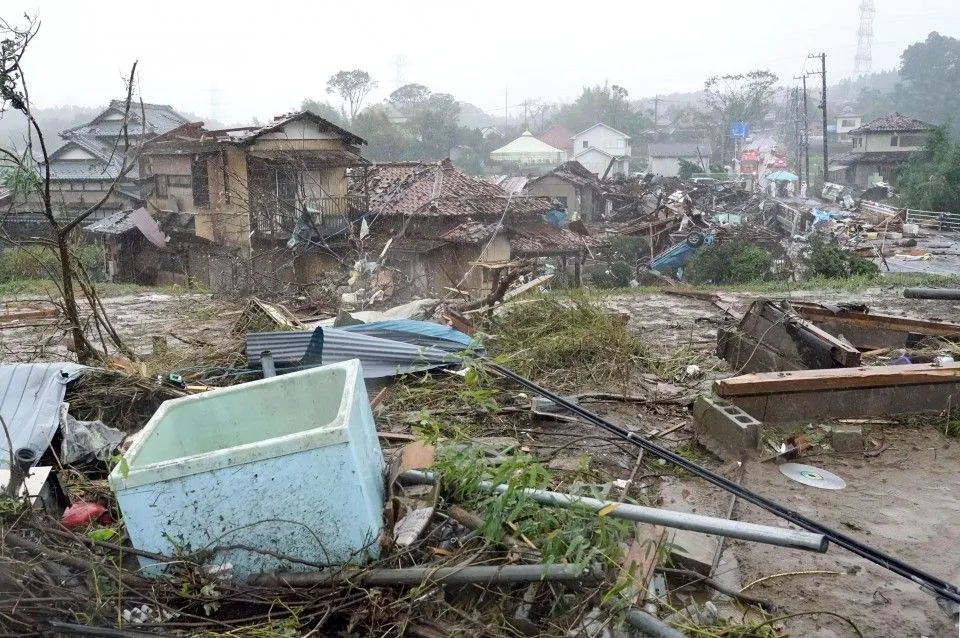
point(847, 438)
point(725, 429)
point(693, 551)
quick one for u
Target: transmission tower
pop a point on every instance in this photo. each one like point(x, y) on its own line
point(862, 62)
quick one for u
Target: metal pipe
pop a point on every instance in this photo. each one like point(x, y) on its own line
point(946, 294)
point(415, 576)
point(926, 581)
point(23, 460)
point(677, 520)
point(651, 627)
point(266, 362)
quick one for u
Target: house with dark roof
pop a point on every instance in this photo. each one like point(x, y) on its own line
point(572, 186)
point(438, 229)
point(880, 148)
point(270, 195)
point(94, 154)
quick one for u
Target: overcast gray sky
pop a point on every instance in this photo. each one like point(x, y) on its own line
point(239, 60)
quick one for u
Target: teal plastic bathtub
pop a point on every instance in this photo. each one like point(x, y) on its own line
point(289, 465)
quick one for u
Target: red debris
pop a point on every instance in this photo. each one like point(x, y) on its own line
point(84, 513)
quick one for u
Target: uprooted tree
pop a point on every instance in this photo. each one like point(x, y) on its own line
point(28, 171)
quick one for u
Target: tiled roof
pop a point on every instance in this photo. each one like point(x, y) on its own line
point(440, 190)
point(573, 172)
point(871, 157)
point(544, 238)
point(890, 123)
point(559, 137)
point(158, 118)
point(470, 233)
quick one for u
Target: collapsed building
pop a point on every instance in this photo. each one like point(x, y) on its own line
point(439, 230)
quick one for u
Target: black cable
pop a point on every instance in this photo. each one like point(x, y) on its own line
point(924, 580)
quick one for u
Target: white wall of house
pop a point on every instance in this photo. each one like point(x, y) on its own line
point(303, 129)
point(668, 166)
point(596, 162)
point(846, 123)
point(603, 138)
point(75, 153)
point(889, 142)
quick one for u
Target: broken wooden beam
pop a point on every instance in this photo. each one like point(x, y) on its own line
point(836, 379)
point(873, 331)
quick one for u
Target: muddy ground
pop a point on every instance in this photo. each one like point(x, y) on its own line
point(904, 501)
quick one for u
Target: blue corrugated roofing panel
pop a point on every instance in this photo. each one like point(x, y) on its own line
point(379, 357)
point(424, 333)
point(30, 397)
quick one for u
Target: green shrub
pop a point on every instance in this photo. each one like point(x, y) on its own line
point(734, 262)
point(616, 275)
point(831, 262)
point(39, 262)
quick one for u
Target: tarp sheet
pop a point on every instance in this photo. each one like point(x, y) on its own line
point(30, 397)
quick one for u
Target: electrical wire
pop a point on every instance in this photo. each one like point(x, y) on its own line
point(926, 581)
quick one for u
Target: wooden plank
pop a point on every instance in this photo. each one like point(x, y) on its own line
point(836, 379)
point(842, 352)
point(693, 294)
point(814, 312)
point(530, 285)
point(640, 560)
point(23, 315)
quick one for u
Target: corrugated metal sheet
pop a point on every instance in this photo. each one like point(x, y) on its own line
point(420, 333)
point(30, 398)
point(379, 357)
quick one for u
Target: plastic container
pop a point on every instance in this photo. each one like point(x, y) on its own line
point(289, 464)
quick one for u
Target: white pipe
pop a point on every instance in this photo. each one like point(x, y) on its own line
point(677, 520)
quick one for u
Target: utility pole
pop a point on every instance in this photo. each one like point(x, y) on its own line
point(806, 131)
point(797, 134)
point(805, 140)
point(823, 107)
point(506, 110)
point(656, 117)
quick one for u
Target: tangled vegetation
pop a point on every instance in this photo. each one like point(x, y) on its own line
point(734, 262)
point(831, 262)
point(566, 342)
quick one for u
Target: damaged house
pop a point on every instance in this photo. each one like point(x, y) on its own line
point(264, 198)
point(438, 229)
point(573, 186)
point(91, 158)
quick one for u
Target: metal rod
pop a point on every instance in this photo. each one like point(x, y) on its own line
point(481, 574)
point(677, 520)
point(927, 581)
point(951, 294)
point(651, 627)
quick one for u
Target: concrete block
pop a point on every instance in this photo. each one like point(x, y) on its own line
point(847, 438)
point(693, 551)
point(725, 429)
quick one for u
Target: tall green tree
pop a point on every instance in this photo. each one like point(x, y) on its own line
point(409, 98)
point(930, 72)
point(353, 87)
point(931, 180)
point(607, 104)
point(324, 110)
point(744, 97)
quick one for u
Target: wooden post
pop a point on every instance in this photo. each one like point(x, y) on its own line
point(578, 271)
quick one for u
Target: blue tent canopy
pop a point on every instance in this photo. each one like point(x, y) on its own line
point(782, 176)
